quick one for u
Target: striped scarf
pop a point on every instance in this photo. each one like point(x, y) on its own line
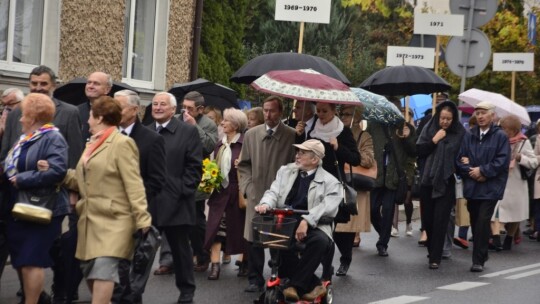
point(13, 155)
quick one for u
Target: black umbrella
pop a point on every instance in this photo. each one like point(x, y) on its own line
point(263, 64)
point(405, 80)
point(73, 91)
point(215, 94)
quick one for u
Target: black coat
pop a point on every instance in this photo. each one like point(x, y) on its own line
point(84, 114)
point(175, 204)
point(151, 147)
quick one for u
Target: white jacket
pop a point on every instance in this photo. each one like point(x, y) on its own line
point(324, 195)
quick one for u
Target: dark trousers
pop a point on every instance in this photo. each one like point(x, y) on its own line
point(382, 213)
point(536, 205)
point(197, 233)
point(435, 216)
point(4, 252)
point(344, 242)
point(301, 271)
point(255, 264)
point(480, 212)
point(67, 274)
point(178, 237)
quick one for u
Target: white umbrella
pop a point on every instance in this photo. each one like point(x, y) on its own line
point(503, 105)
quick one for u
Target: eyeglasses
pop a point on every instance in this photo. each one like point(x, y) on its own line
point(303, 152)
point(190, 108)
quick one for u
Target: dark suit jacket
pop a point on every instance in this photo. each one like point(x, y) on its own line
point(175, 204)
point(84, 114)
point(151, 147)
point(66, 119)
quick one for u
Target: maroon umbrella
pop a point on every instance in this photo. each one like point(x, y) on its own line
point(306, 85)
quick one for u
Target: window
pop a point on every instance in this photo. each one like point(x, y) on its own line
point(21, 32)
point(138, 56)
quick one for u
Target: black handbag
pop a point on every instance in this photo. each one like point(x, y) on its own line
point(526, 173)
point(348, 206)
point(360, 178)
point(415, 188)
point(35, 205)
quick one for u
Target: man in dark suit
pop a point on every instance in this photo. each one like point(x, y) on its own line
point(175, 213)
point(153, 171)
point(98, 84)
point(66, 118)
point(305, 118)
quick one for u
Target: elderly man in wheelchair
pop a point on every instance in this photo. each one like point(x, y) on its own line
point(305, 185)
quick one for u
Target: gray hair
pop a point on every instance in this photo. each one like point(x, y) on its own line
point(132, 97)
point(237, 118)
point(109, 80)
point(19, 95)
point(172, 99)
point(197, 97)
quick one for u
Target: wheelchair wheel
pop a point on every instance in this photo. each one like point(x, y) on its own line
point(271, 296)
point(328, 298)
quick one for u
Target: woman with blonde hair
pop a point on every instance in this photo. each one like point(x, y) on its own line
point(225, 224)
point(255, 117)
point(30, 242)
point(514, 207)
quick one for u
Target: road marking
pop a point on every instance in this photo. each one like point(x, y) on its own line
point(523, 275)
point(462, 286)
point(401, 300)
point(498, 273)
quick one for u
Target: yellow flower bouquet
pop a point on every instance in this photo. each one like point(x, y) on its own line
point(211, 176)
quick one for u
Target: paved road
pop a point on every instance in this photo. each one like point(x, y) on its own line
point(403, 277)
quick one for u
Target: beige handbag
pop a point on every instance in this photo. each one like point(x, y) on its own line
point(462, 214)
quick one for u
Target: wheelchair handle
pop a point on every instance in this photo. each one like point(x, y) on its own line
point(286, 211)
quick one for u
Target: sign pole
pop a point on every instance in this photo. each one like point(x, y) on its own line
point(437, 51)
point(301, 38)
point(513, 89)
point(467, 47)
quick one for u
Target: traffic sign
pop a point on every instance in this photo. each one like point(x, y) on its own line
point(484, 10)
point(438, 24)
point(478, 56)
point(303, 10)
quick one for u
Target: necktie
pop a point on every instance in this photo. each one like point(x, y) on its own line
point(123, 132)
point(269, 133)
point(481, 136)
point(303, 174)
point(159, 128)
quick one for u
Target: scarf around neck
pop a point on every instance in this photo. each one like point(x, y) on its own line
point(95, 141)
point(12, 158)
point(330, 130)
point(517, 138)
point(224, 158)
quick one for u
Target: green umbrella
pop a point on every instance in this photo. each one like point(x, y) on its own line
point(377, 108)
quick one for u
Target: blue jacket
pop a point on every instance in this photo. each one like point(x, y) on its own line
point(51, 147)
point(492, 155)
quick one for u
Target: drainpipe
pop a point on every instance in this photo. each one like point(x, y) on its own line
point(196, 40)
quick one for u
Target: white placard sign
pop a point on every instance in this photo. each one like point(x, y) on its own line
point(303, 10)
point(404, 55)
point(439, 24)
point(519, 62)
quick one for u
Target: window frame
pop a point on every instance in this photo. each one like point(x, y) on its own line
point(50, 36)
point(160, 38)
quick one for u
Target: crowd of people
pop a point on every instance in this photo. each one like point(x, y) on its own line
point(109, 177)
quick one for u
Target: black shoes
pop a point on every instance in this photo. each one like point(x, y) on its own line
point(185, 298)
point(382, 252)
point(342, 270)
point(252, 287)
point(477, 268)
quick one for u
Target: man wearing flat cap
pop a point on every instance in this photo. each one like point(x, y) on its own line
point(305, 185)
point(483, 162)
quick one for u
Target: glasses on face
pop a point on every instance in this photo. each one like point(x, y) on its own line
point(190, 108)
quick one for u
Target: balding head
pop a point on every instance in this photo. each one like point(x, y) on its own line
point(98, 84)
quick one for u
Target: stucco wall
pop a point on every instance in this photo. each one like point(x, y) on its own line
point(180, 40)
point(91, 38)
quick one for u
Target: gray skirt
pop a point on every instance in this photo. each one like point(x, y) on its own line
point(101, 268)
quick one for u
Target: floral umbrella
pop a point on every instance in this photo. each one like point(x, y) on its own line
point(377, 108)
point(307, 85)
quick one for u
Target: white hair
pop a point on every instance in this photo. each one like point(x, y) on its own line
point(172, 99)
point(132, 97)
point(19, 95)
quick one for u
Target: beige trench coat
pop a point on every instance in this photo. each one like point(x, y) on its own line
point(514, 207)
point(113, 202)
point(361, 222)
point(260, 159)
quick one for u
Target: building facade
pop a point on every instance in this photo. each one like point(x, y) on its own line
point(144, 43)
